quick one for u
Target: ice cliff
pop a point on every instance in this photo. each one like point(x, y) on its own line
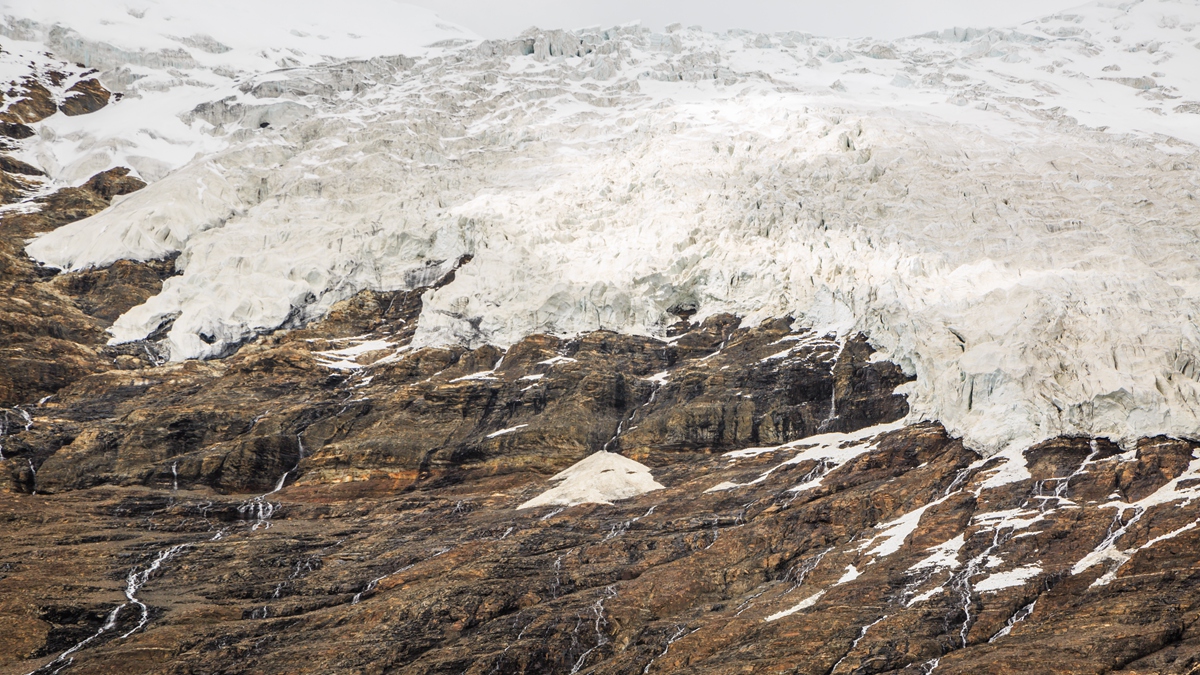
point(1009, 214)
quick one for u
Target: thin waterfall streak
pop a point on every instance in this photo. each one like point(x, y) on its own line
point(134, 582)
point(862, 634)
point(824, 425)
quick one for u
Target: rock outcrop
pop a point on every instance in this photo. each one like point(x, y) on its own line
point(52, 328)
point(83, 97)
point(314, 519)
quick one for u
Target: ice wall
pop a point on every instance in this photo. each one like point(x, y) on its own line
point(1011, 215)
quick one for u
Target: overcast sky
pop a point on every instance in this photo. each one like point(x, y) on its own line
point(832, 18)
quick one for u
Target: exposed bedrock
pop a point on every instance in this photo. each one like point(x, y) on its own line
point(435, 414)
point(52, 327)
point(440, 574)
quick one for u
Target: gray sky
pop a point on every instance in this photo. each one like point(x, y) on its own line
point(833, 18)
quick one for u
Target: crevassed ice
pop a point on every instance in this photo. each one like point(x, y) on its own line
point(1037, 273)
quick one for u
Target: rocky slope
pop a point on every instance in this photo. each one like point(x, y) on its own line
point(336, 493)
point(311, 504)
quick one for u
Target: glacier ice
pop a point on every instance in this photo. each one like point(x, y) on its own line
point(1012, 228)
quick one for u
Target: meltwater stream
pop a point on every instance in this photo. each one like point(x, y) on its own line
point(6, 423)
point(260, 508)
point(134, 582)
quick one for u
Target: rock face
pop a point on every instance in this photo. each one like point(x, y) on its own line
point(52, 329)
point(331, 500)
point(83, 97)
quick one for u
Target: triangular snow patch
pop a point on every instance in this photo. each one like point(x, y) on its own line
point(598, 479)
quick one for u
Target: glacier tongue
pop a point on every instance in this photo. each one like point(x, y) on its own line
point(955, 197)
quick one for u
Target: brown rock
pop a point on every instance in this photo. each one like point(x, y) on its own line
point(51, 332)
point(83, 97)
point(31, 102)
point(15, 130)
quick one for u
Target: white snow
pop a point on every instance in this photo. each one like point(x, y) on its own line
point(1014, 225)
point(724, 485)
point(803, 604)
point(346, 358)
point(600, 478)
point(509, 430)
point(834, 445)
point(851, 574)
point(945, 555)
point(1012, 519)
point(935, 591)
point(481, 375)
point(1014, 577)
point(833, 449)
point(1108, 552)
point(1012, 470)
point(168, 56)
point(895, 532)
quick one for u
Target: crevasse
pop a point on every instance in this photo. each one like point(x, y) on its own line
point(960, 204)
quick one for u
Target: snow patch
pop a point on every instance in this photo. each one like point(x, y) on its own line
point(346, 358)
point(851, 574)
point(601, 478)
point(802, 605)
point(1007, 579)
point(509, 430)
point(945, 555)
point(895, 532)
point(832, 450)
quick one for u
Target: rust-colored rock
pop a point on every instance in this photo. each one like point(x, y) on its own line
point(83, 97)
point(52, 331)
point(31, 102)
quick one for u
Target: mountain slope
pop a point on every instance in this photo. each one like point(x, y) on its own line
point(595, 352)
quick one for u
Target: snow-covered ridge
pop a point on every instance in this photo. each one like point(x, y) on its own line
point(1009, 214)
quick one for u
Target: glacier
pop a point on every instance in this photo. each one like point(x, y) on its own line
point(1009, 214)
